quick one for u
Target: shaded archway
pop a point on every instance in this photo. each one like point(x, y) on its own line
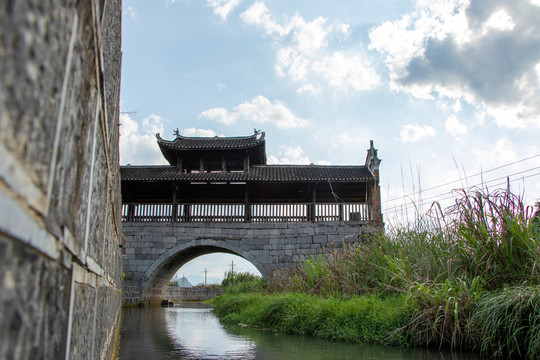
point(162, 270)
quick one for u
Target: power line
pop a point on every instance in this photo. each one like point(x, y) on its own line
point(482, 183)
point(465, 178)
point(490, 181)
point(406, 206)
point(439, 197)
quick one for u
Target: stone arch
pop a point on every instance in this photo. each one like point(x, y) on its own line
point(158, 274)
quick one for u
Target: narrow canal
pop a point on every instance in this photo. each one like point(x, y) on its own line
point(191, 331)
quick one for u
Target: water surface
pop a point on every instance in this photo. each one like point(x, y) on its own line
point(191, 331)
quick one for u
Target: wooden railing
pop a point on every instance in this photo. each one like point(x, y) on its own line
point(258, 213)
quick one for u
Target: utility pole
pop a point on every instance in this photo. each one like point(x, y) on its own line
point(205, 272)
point(232, 267)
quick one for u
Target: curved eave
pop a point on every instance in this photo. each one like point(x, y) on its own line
point(216, 143)
point(266, 173)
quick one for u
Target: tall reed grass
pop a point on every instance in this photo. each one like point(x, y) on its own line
point(449, 264)
point(466, 277)
point(507, 323)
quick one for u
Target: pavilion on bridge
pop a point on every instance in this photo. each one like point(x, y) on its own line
point(226, 179)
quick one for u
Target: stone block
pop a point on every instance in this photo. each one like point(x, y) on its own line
point(169, 239)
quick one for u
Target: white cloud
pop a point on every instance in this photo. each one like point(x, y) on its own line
point(258, 110)
point(480, 52)
point(289, 155)
point(493, 155)
point(308, 89)
point(309, 36)
point(352, 138)
point(324, 162)
point(499, 20)
point(131, 12)
point(198, 132)
point(304, 53)
point(223, 8)
point(138, 144)
point(454, 127)
point(220, 114)
point(292, 63)
point(415, 132)
point(258, 14)
point(347, 71)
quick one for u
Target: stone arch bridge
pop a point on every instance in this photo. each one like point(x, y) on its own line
point(156, 250)
point(219, 195)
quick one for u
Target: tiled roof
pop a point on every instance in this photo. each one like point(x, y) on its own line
point(310, 173)
point(211, 143)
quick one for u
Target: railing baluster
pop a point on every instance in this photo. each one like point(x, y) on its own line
point(261, 213)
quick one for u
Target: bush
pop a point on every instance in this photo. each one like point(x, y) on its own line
point(242, 282)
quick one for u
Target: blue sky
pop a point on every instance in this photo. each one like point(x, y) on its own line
point(447, 89)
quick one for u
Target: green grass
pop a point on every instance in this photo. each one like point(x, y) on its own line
point(367, 319)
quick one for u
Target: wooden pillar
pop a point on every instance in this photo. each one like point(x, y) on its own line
point(223, 164)
point(186, 207)
point(179, 162)
point(174, 213)
point(247, 206)
point(246, 163)
point(201, 165)
point(187, 213)
point(131, 212)
point(340, 212)
point(313, 203)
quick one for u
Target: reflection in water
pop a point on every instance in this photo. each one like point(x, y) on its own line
point(201, 336)
point(191, 331)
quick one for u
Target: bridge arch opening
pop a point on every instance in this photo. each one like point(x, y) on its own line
point(159, 275)
point(210, 269)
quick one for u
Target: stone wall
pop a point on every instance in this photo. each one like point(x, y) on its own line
point(155, 251)
point(60, 221)
point(198, 293)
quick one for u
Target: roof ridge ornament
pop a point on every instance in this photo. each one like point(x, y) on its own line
point(372, 160)
point(176, 132)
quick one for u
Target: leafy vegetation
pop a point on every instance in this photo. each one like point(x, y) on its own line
point(466, 277)
point(242, 282)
